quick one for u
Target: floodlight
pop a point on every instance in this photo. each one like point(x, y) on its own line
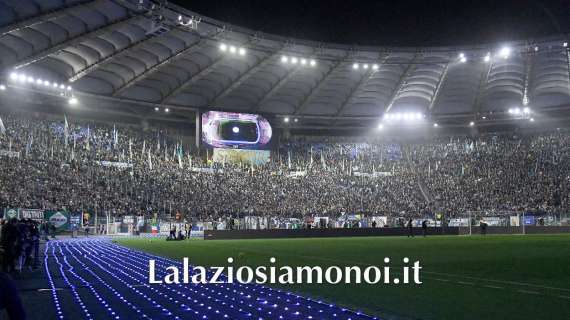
point(296, 120)
point(365, 66)
point(68, 88)
point(471, 123)
point(2, 87)
point(374, 67)
point(531, 119)
point(233, 49)
point(435, 125)
point(303, 61)
point(13, 76)
point(487, 57)
point(526, 110)
point(380, 126)
point(166, 110)
point(286, 119)
point(284, 59)
point(47, 83)
point(355, 66)
point(223, 47)
point(241, 51)
point(505, 52)
point(294, 60)
point(313, 63)
point(22, 78)
point(73, 101)
point(39, 81)
point(156, 109)
point(463, 59)
point(565, 44)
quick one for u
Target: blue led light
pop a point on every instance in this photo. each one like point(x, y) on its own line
point(111, 282)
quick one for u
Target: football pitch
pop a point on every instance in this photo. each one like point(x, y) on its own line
point(492, 277)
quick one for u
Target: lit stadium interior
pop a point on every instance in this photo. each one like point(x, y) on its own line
point(137, 133)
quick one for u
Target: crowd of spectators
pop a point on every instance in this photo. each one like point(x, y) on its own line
point(59, 164)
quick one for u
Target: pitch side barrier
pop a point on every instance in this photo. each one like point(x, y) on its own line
point(321, 233)
point(371, 232)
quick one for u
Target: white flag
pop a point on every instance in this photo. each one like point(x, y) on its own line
point(2, 128)
point(88, 138)
point(65, 129)
point(149, 160)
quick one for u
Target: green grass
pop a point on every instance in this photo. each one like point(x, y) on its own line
point(483, 278)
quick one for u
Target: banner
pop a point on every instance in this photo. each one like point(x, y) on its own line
point(9, 154)
point(60, 219)
point(255, 157)
point(33, 214)
point(115, 164)
point(11, 213)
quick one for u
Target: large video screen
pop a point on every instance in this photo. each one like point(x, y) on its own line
point(235, 130)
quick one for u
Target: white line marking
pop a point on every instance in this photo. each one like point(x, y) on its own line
point(528, 292)
point(492, 287)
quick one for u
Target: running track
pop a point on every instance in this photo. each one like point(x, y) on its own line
point(97, 279)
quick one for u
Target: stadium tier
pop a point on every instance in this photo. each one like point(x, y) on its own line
point(156, 163)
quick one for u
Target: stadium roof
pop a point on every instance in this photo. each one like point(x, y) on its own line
point(141, 56)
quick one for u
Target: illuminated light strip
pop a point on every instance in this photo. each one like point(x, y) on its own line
point(120, 269)
point(100, 299)
point(249, 300)
point(104, 283)
point(58, 310)
point(75, 294)
point(282, 296)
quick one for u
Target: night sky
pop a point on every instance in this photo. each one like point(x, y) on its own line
point(402, 22)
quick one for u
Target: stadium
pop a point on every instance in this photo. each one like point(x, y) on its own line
point(160, 163)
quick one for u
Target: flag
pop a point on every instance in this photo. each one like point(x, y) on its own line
point(180, 156)
point(29, 144)
point(65, 129)
point(87, 140)
point(2, 128)
point(289, 159)
point(190, 161)
point(323, 160)
point(158, 142)
point(144, 147)
point(311, 161)
point(149, 160)
point(130, 149)
point(165, 152)
point(115, 137)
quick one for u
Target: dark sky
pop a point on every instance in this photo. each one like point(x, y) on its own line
point(401, 22)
